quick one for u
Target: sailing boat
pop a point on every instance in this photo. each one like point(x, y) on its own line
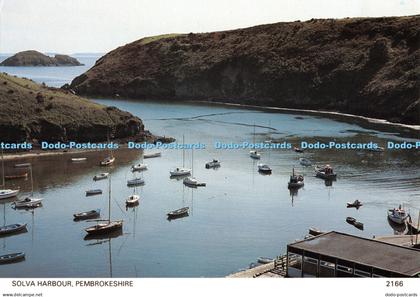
point(181, 212)
point(28, 201)
point(133, 199)
point(108, 160)
point(254, 154)
point(191, 181)
point(6, 193)
point(181, 171)
point(109, 226)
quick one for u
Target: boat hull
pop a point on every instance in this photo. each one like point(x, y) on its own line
point(10, 229)
point(5, 194)
point(101, 229)
point(10, 258)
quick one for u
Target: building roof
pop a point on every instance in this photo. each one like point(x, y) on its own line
point(363, 251)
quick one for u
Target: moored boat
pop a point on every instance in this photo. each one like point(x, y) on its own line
point(264, 168)
point(93, 192)
point(213, 164)
point(315, 231)
point(16, 176)
point(132, 200)
point(107, 161)
point(255, 155)
point(397, 215)
point(77, 160)
point(350, 220)
point(13, 228)
point(326, 172)
point(28, 202)
point(10, 258)
point(135, 182)
point(91, 214)
point(295, 181)
point(139, 167)
point(182, 212)
point(152, 155)
point(180, 171)
point(8, 193)
point(356, 203)
point(103, 175)
point(358, 225)
point(109, 226)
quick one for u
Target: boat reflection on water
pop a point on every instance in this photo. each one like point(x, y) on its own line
point(399, 229)
point(105, 238)
point(293, 193)
point(329, 182)
point(101, 238)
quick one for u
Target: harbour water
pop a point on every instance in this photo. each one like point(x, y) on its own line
point(239, 216)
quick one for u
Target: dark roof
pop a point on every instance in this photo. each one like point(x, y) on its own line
point(364, 251)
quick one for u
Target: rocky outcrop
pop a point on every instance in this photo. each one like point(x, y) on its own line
point(34, 113)
point(365, 66)
point(34, 58)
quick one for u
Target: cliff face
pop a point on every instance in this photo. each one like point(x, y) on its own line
point(30, 112)
point(367, 66)
point(34, 58)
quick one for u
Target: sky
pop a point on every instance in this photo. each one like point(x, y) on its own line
point(98, 26)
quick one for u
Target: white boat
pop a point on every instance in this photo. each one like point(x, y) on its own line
point(132, 200)
point(139, 167)
point(135, 181)
point(107, 161)
point(213, 164)
point(103, 175)
point(190, 180)
point(264, 168)
point(305, 162)
point(6, 193)
point(255, 155)
point(75, 160)
point(28, 202)
point(181, 171)
point(397, 215)
point(152, 155)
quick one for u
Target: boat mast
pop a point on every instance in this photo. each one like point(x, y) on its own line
point(32, 180)
point(2, 168)
point(192, 162)
point(109, 199)
point(183, 151)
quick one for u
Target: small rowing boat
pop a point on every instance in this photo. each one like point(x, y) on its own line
point(264, 169)
point(213, 164)
point(179, 213)
point(135, 182)
point(10, 258)
point(91, 214)
point(305, 162)
point(315, 231)
point(350, 220)
point(14, 228)
point(265, 260)
point(356, 203)
point(107, 161)
point(93, 192)
point(16, 176)
point(152, 155)
point(103, 175)
point(76, 160)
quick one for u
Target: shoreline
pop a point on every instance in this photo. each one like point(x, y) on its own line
point(380, 124)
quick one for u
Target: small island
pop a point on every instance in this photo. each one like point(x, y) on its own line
point(35, 58)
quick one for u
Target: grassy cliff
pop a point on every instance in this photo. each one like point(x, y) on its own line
point(363, 66)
